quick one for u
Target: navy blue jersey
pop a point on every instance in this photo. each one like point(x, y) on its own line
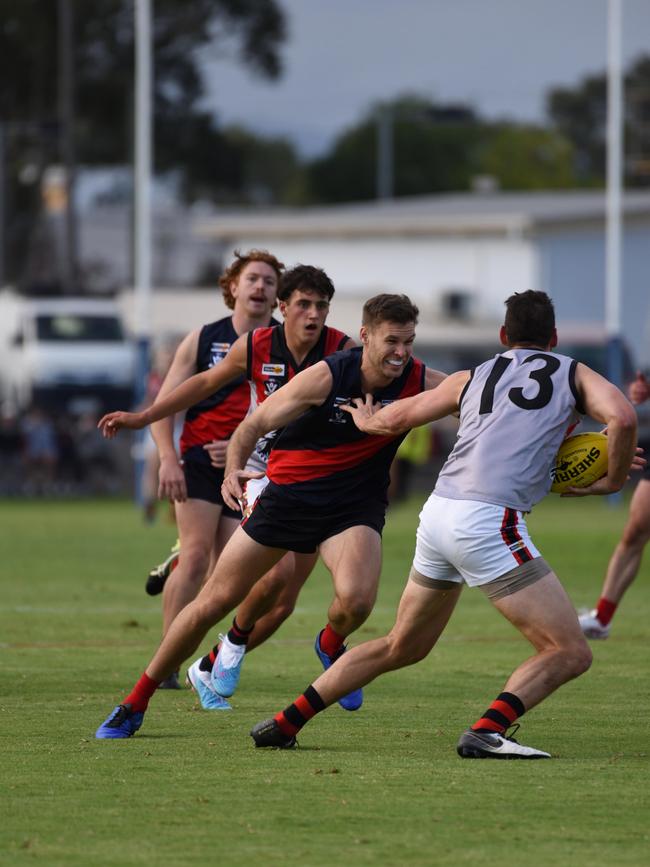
point(323, 455)
point(216, 417)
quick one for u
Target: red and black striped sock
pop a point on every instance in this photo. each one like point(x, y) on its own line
point(501, 714)
point(237, 635)
point(605, 610)
point(139, 696)
point(330, 642)
point(294, 717)
point(208, 660)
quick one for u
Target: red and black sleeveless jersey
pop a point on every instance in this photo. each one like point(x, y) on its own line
point(270, 365)
point(216, 417)
point(323, 455)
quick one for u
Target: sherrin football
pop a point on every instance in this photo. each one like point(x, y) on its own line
point(581, 460)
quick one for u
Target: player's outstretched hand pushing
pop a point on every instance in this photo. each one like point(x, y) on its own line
point(639, 389)
point(361, 411)
point(232, 488)
point(113, 421)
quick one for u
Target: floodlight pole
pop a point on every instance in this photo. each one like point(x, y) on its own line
point(142, 207)
point(613, 229)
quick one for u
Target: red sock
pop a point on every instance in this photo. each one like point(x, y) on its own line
point(139, 697)
point(330, 641)
point(605, 610)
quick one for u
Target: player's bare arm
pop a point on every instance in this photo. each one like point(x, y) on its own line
point(440, 400)
point(607, 404)
point(171, 479)
point(309, 388)
point(193, 390)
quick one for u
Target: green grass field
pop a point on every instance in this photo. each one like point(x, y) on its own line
point(383, 786)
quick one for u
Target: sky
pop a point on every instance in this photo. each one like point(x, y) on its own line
point(500, 56)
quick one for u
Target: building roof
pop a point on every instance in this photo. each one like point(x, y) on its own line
point(454, 214)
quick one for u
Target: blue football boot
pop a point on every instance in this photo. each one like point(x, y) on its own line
point(354, 699)
point(123, 722)
point(200, 683)
point(225, 680)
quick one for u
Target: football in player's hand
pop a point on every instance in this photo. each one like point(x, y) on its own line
point(581, 460)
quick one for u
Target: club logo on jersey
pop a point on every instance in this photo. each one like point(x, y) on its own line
point(218, 352)
point(338, 416)
point(273, 369)
point(270, 386)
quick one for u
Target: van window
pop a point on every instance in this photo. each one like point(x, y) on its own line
point(66, 327)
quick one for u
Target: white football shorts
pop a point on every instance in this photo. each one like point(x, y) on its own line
point(471, 542)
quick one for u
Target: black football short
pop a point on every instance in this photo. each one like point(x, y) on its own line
point(204, 483)
point(281, 519)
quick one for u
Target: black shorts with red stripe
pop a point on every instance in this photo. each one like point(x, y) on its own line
point(281, 519)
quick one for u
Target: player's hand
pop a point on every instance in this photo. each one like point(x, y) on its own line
point(114, 421)
point(361, 410)
point(639, 390)
point(638, 461)
point(600, 488)
point(232, 489)
point(217, 452)
point(171, 481)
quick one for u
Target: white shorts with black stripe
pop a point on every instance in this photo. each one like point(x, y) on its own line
point(471, 542)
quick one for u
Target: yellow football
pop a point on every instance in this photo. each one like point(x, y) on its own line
point(581, 460)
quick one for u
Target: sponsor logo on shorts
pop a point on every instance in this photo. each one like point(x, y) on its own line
point(218, 352)
point(273, 369)
point(517, 546)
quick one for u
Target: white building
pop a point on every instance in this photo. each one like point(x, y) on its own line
point(459, 256)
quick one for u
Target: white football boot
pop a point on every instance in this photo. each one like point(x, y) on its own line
point(490, 745)
point(592, 627)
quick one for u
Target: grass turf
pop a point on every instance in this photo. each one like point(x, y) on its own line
point(382, 786)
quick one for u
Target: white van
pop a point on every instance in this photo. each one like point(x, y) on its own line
point(64, 354)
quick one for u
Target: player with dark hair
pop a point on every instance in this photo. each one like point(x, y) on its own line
point(625, 562)
point(192, 481)
point(514, 413)
point(268, 358)
point(326, 491)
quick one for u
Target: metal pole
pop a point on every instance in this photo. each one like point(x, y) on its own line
point(384, 152)
point(613, 234)
point(67, 149)
point(2, 205)
point(142, 223)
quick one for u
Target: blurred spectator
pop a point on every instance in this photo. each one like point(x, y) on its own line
point(11, 449)
point(40, 452)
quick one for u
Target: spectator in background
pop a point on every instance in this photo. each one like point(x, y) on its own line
point(11, 448)
point(40, 451)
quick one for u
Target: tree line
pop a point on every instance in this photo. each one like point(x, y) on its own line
point(435, 147)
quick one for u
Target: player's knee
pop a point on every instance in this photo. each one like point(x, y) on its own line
point(195, 561)
point(579, 658)
point(403, 650)
point(356, 608)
